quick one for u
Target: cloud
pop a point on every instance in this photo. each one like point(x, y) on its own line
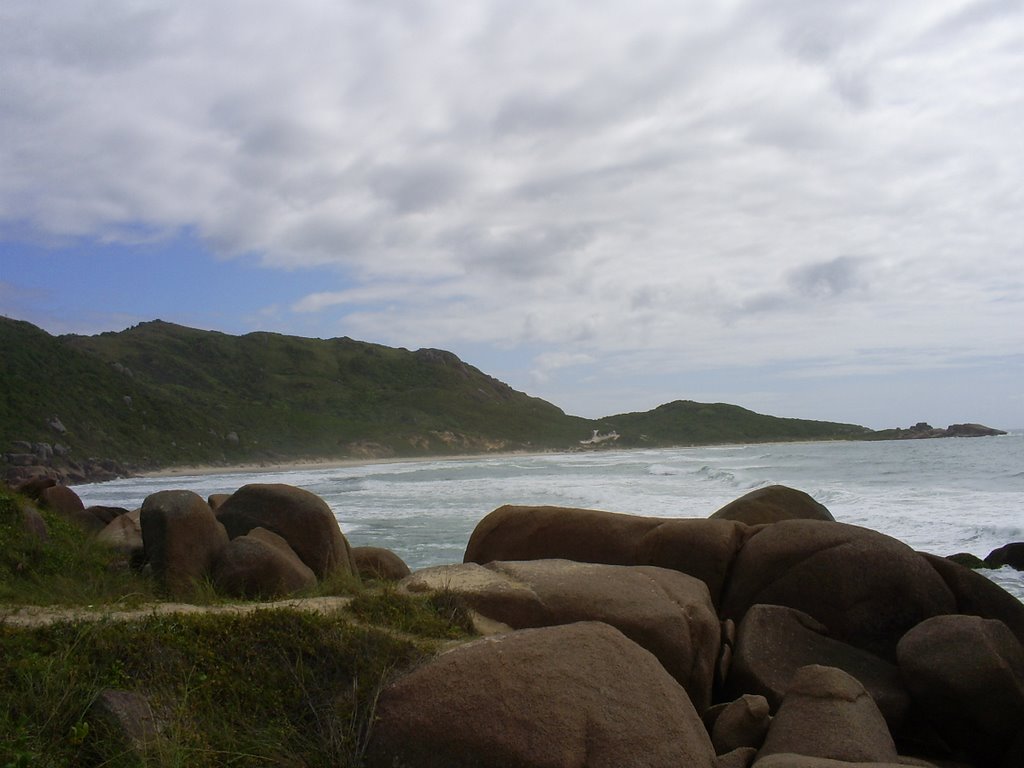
point(670, 186)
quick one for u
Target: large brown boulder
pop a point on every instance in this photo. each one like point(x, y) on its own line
point(301, 518)
point(977, 595)
point(967, 673)
point(181, 537)
point(772, 504)
point(379, 564)
point(866, 587)
point(827, 713)
point(260, 564)
point(558, 697)
point(701, 548)
point(667, 612)
point(774, 642)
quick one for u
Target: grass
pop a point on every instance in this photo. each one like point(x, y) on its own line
point(278, 687)
point(281, 687)
point(70, 568)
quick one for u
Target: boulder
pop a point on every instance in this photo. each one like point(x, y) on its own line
point(977, 595)
point(967, 673)
point(772, 504)
point(215, 500)
point(127, 718)
point(966, 559)
point(742, 723)
point(667, 612)
point(34, 486)
point(301, 518)
point(701, 548)
point(1008, 554)
point(379, 564)
point(124, 533)
point(261, 564)
point(559, 697)
point(106, 514)
point(32, 522)
point(827, 713)
point(866, 587)
point(62, 499)
point(181, 537)
point(774, 642)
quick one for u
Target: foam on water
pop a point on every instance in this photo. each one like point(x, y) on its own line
point(940, 496)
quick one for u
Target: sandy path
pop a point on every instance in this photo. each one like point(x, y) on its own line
point(38, 616)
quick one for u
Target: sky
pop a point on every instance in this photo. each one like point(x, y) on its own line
point(808, 209)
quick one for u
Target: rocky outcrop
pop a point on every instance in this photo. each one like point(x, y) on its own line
point(1008, 554)
point(772, 504)
point(559, 697)
point(667, 612)
point(701, 548)
point(923, 430)
point(28, 461)
point(181, 537)
point(301, 518)
point(379, 564)
point(867, 588)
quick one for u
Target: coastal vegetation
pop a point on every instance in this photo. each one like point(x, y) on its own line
point(309, 704)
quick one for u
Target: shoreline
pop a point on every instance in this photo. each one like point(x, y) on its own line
point(202, 470)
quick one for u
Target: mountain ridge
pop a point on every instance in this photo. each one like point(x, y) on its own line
point(159, 394)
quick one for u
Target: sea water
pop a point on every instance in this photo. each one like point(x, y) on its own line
point(941, 496)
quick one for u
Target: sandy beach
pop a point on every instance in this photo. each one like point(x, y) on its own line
point(190, 470)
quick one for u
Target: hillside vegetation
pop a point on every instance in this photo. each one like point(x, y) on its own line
point(685, 422)
point(160, 394)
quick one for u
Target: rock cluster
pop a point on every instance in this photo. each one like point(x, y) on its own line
point(795, 641)
point(54, 461)
point(262, 541)
point(768, 636)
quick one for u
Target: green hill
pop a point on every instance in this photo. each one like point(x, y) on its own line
point(159, 394)
point(685, 422)
point(162, 393)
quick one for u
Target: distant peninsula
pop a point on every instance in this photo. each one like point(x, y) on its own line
point(156, 395)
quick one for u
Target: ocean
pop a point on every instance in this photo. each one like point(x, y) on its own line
point(941, 496)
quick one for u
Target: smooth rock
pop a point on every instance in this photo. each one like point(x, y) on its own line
point(261, 564)
point(742, 723)
point(826, 713)
point(774, 642)
point(301, 518)
point(701, 548)
point(573, 696)
point(379, 564)
point(667, 612)
point(772, 504)
point(967, 673)
point(866, 587)
point(181, 537)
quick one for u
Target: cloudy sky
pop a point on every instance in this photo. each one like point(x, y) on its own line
point(809, 209)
